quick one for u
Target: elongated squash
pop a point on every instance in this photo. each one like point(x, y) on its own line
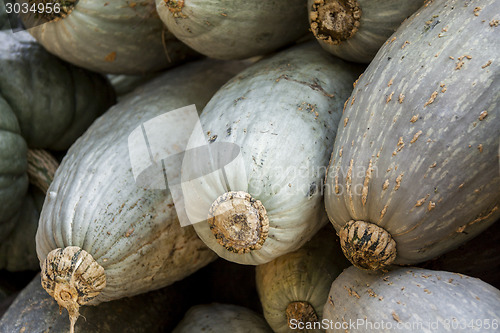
point(271, 125)
point(101, 235)
point(355, 30)
point(119, 37)
point(293, 288)
point(414, 168)
point(158, 311)
point(410, 299)
point(229, 29)
point(214, 318)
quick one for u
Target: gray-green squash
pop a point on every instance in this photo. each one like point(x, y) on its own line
point(355, 30)
point(44, 103)
point(214, 318)
point(228, 29)
point(271, 125)
point(104, 236)
point(293, 288)
point(414, 172)
point(410, 299)
point(119, 37)
point(34, 311)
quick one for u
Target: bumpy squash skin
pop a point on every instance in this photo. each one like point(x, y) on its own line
point(111, 37)
point(214, 318)
point(157, 311)
point(378, 20)
point(410, 297)
point(290, 102)
point(228, 29)
point(417, 153)
point(94, 203)
point(305, 275)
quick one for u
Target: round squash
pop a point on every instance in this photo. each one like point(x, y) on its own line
point(215, 318)
point(414, 168)
point(109, 36)
point(266, 202)
point(355, 30)
point(101, 235)
point(158, 311)
point(44, 103)
point(410, 299)
point(228, 29)
point(293, 288)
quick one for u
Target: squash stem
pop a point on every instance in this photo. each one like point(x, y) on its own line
point(73, 278)
point(300, 312)
point(41, 168)
point(367, 245)
point(239, 222)
point(334, 21)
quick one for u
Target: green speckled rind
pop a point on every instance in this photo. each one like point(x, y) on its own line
point(283, 113)
point(118, 37)
point(303, 275)
point(216, 318)
point(228, 29)
point(379, 19)
point(411, 300)
point(94, 202)
point(416, 120)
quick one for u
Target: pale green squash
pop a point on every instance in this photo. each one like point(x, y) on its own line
point(234, 29)
point(101, 235)
point(119, 37)
point(293, 288)
point(279, 116)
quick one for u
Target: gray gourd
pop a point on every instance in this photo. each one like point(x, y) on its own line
point(104, 236)
point(277, 118)
point(414, 172)
point(408, 299)
point(229, 29)
point(293, 288)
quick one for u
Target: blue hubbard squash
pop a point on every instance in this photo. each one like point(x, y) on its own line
point(414, 168)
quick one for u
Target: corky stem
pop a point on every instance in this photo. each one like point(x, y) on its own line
point(41, 168)
point(239, 222)
point(301, 312)
point(367, 245)
point(335, 20)
point(73, 278)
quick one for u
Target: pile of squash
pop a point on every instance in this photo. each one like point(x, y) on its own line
point(250, 166)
